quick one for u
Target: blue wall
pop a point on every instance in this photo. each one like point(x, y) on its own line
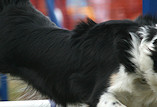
point(150, 7)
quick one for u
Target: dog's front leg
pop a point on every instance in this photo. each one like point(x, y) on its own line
point(109, 100)
point(120, 87)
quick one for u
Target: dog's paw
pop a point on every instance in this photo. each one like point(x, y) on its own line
point(109, 100)
point(110, 104)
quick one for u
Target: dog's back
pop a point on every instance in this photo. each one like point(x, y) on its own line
point(67, 66)
point(89, 64)
point(27, 40)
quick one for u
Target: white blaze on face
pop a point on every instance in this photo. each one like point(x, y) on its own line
point(145, 49)
point(146, 62)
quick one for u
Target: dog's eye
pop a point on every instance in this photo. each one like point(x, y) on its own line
point(141, 37)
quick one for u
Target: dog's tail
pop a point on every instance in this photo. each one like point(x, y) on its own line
point(5, 3)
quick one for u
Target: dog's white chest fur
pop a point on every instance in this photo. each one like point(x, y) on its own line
point(134, 89)
point(139, 95)
point(131, 90)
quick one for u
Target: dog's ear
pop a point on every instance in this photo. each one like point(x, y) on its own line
point(146, 20)
point(148, 25)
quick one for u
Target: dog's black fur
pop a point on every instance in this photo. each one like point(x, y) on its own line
point(67, 66)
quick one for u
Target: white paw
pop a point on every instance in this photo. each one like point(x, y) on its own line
point(109, 100)
point(111, 104)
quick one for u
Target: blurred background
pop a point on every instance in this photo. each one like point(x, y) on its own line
point(69, 12)
point(66, 14)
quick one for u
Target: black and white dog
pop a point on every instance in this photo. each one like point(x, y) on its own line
point(111, 64)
